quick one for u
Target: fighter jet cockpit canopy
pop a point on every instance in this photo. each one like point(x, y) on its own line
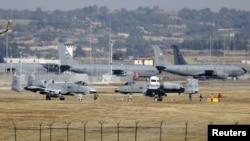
point(81, 83)
point(129, 83)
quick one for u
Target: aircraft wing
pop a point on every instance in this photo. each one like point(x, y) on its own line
point(53, 92)
point(34, 88)
point(44, 90)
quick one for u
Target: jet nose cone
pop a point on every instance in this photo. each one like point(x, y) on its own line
point(92, 90)
point(244, 70)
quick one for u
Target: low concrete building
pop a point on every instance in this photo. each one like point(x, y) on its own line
point(144, 61)
point(30, 60)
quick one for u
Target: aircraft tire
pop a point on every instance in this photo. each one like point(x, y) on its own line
point(48, 97)
point(155, 99)
point(61, 98)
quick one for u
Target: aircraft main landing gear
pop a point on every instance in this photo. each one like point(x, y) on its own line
point(48, 97)
point(61, 97)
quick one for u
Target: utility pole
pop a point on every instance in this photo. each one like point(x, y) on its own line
point(210, 52)
point(234, 50)
point(224, 43)
point(7, 46)
point(111, 55)
point(90, 53)
point(110, 50)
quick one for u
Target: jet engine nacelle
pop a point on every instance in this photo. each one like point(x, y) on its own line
point(51, 81)
point(9, 70)
point(172, 85)
point(221, 75)
point(39, 83)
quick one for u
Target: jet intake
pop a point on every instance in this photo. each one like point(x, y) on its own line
point(39, 83)
point(51, 82)
point(9, 70)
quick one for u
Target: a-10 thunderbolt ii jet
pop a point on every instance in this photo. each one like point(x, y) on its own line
point(51, 89)
point(157, 90)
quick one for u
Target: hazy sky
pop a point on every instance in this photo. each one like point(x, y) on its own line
point(167, 5)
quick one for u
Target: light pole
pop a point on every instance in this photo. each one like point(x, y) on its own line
point(34, 61)
point(224, 43)
point(11, 66)
point(233, 50)
point(111, 56)
point(7, 47)
point(90, 52)
point(210, 51)
point(110, 50)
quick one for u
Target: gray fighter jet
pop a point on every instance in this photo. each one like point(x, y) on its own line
point(157, 90)
point(68, 63)
point(198, 71)
point(51, 89)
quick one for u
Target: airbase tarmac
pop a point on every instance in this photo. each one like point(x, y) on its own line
point(28, 109)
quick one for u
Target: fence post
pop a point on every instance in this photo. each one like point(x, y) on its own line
point(136, 125)
point(14, 130)
point(50, 131)
point(186, 130)
point(161, 129)
point(68, 131)
point(101, 122)
point(236, 122)
point(84, 130)
point(118, 130)
point(211, 122)
point(40, 138)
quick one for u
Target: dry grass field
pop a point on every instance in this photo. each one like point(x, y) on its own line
point(30, 110)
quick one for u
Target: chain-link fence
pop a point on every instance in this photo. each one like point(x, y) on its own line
point(105, 131)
